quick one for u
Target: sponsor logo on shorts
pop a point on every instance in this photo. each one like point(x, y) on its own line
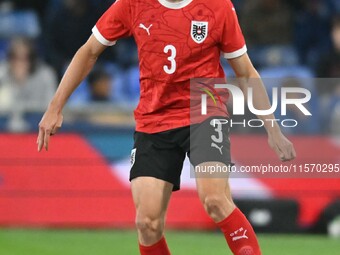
point(214, 145)
point(133, 157)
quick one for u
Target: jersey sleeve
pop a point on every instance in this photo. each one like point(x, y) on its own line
point(114, 24)
point(233, 44)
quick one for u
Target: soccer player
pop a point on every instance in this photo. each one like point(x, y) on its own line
point(177, 41)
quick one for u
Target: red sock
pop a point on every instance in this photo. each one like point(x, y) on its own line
point(159, 248)
point(239, 234)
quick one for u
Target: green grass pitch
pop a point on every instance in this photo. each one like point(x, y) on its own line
point(82, 242)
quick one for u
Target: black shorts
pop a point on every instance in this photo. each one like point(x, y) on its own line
point(161, 155)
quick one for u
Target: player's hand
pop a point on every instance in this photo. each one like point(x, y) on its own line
point(282, 146)
point(48, 126)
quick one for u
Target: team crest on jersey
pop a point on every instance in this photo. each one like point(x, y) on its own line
point(199, 31)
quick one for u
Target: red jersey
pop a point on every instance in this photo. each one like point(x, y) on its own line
point(176, 42)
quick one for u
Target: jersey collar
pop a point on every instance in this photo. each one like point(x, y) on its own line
point(175, 5)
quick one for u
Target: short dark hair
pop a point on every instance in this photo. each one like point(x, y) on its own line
point(32, 51)
point(98, 74)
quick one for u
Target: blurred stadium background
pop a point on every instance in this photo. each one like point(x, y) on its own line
point(75, 199)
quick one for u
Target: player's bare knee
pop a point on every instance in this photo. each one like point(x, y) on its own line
point(213, 204)
point(218, 206)
point(150, 226)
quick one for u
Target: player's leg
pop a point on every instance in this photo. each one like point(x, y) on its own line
point(151, 197)
point(210, 149)
point(216, 197)
point(157, 163)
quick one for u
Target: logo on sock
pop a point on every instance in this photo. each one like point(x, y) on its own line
point(237, 235)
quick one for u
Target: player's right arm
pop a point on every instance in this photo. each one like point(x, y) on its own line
point(114, 24)
point(80, 66)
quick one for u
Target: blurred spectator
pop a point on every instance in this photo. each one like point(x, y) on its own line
point(67, 30)
point(26, 84)
point(266, 22)
point(6, 5)
point(37, 5)
point(14, 22)
point(334, 110)
point(329, 65)
point(312, 30)
point(103, 85)
point(99, 82)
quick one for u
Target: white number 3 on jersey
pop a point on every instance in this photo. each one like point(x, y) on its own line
point(173, 53)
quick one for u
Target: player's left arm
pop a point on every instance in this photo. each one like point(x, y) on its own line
point(248, 77)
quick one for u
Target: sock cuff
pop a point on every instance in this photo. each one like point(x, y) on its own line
point(160, 243)
point(230, 218)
